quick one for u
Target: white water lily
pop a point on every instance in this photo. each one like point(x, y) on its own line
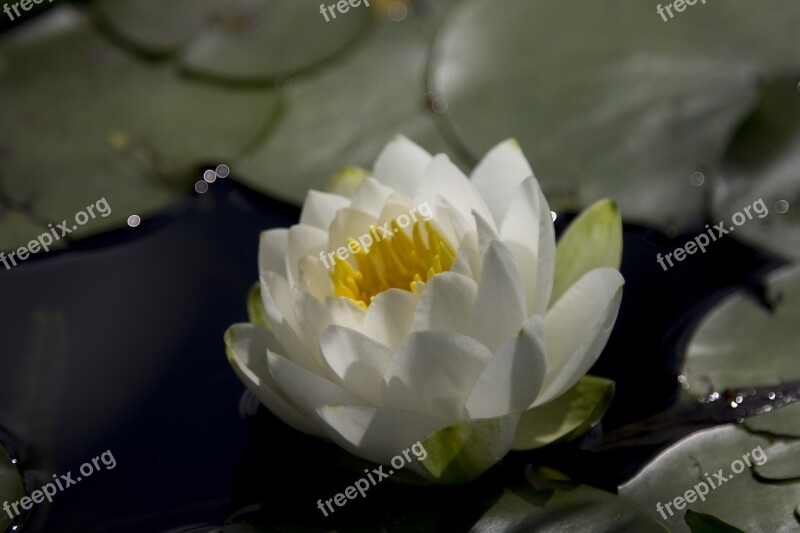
point(464, 332)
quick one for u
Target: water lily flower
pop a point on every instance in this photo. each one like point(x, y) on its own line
point(468, 330)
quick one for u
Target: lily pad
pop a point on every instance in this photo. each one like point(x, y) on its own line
point(706, 523)
point(630, 110)
point(783, 462)
point(567, 417)
point(244, 40)
point(740, 343)
point(739, 498)
point(63, 147)
point(783, 422)
point(763, 164)
point(578, 508)
point(347, 112)
point(11, 488)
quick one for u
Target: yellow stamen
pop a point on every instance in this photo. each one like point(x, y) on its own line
point(398, 261)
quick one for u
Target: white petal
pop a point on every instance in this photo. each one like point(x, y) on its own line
point(348, 223)
point(370, 196)
point(272, 251)
point(313, 318)
point(303, 241)
point(401, 165)
point(345, 312)
point(432, 372)
point(375, 434)
point(358, 361)
point(500, 309)
point(446, 304)
point(444, 179)
point(307, 390)
point(247, 352)
point(389, 316)
point(315, 277)
point(513, 377)
point(320, 208)
point(577, 329)
point(529, 233)
point(499, 175)
point(279, 307)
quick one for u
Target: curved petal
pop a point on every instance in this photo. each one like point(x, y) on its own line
point(432, 372)
point(313, 318)
point(306, 390)
point(443, 179)
point(279, 307)
point(345, 312)
point(401, 165)
point(389, 317)
point(577, 328)
point(446, 304)
point(303, 241)
point(356, 360)
point(315, 277)
point(272, 251)
point(320, 207)
point(499, 311)
point(528, 230)
point(348, 223)
point(498, 176)
point(513, 377)
point(370, 196)
point(375, 434)
point(246, 347)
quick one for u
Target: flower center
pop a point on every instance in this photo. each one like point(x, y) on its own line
point(396, 261)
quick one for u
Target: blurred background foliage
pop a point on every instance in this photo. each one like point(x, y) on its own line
point(127, 99)
point(682, 123)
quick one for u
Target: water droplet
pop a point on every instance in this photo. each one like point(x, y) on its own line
point(134, 221)
point(739, 420)
point(781, 206)
point(554, 215)
point(222, 171)
point(739, 399)
point(697, 179)
point(771, 396)
point(398, 10)
point(437, 102)
point(734, 404)
point(201, 187)
point(682, 379)
point(283, 82)
point(210, 176)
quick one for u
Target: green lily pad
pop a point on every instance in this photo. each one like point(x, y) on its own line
point(784, 422)
point(11, 488)
point(783, 462)
point(741, 499)
point(347, 112)
point(623, 105)
point(64, 147)
point(248, 40)
point(567, 417)
point(741, 344)
point(706, 523)
point(578, 508)
point(763, 164)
